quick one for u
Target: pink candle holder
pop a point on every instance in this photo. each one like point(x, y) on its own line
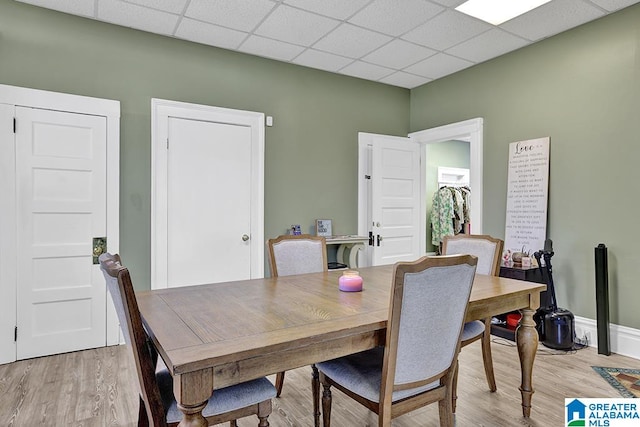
point(350, 281)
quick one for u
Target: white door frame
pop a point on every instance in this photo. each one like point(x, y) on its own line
point(12, 96)
point(161, 110)
point(469, 130)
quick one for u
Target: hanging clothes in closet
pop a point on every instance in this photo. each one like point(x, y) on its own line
point(450, 212)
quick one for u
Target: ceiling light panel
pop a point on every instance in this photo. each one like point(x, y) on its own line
point(498, 11)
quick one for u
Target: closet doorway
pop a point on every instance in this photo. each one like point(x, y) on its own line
point(469, 130)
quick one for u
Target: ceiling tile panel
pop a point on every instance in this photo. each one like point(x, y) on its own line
point(395, 17)
point(295, 26)
point(366, 71)
point(172, 6)
point(438, 66)
point(446, 30)
point(74, 7)
point(322, 60)
point(398, 54)
point(270, 48)
point(339, 9)
point(449, 3)
point(349, 40)
point(552, 18)
point(405, 80)
point(404, 43)
point(201, 32)
point(134, 16)
point(243, 15)
point(612, 5)
point(487, 45)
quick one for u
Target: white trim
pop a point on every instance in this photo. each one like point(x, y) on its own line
point(623, 340)
point(161, 110)
point(8, 242)
point(469, 130)
point(34, 98)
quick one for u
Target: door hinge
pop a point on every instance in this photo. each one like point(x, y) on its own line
point(15, 334)
point(367, 177)
point(167, 143)
point(15, 125)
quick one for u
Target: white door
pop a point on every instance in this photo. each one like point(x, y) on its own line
point(394, 198)
point(207, 198)
point(208, 203)
point(61, 206)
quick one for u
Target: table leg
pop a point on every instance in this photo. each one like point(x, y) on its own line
point(192, 416)
point(192, 391)
point(527, 342)
point(315, 387)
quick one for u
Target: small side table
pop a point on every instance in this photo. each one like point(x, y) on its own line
point(528, 274)
point(351, 243)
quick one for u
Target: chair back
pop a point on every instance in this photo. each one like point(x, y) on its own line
point(121, 289)
point(297, 254)
point(488, 250)
point(426, 315)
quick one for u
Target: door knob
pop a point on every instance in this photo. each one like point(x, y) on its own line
point(245, 237)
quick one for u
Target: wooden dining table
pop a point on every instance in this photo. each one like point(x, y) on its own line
point(214, 335)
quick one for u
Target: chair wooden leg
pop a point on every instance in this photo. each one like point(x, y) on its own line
point(454, 388)
point(326, 405)
point(315, 389)
point(487, 358)
point(143, 419)
point(233, 423)
point(279, 383)
point(446, 411)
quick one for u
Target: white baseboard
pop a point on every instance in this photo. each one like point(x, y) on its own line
point(623, 340)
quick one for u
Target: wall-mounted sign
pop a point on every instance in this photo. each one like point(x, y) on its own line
point(527, 194)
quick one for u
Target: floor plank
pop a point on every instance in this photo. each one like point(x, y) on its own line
point(98, 388)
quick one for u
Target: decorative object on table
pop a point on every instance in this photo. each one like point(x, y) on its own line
point(350, 281)
point(626, 381)
point(324, 227)
point(295, 230)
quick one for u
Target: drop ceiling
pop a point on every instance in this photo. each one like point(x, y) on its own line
point(403, 43)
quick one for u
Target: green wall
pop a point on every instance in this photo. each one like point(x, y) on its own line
point(311, 151)
point(582, 89)
point(452, 154)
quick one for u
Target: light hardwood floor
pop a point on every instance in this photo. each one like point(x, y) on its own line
point(98, 388)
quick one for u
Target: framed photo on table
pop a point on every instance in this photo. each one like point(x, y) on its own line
point(324, 227)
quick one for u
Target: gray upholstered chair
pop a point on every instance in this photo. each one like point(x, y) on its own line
point(157, 403)
point(296, 254)
point(416, 367)
point(488, 250)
